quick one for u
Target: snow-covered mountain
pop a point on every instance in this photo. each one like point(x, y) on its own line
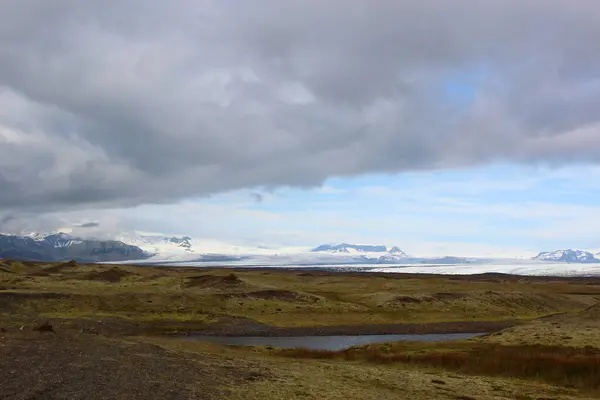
point(58, 239)
point(569, 256)
point(141, 248)
point(168, 248)
point(184, 242)
point(396, 251)
point(395, 254)
point(64, 247)
point(155, 244)
point(366, 253)
point(346, 248)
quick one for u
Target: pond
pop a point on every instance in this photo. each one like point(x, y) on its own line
point(331, 343)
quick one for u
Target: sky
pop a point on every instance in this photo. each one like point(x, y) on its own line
point(463, 128)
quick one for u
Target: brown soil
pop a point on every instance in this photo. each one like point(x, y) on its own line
point(107, 326)
point(431, 298)
point(406, 300)
point(60, 366)
point(230, 326)
point(55, 269)
point(213, 281)
point(112, 275)
point(282, 295)
point(449, 296)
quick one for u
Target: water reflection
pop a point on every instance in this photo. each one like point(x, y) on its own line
point(332, 343)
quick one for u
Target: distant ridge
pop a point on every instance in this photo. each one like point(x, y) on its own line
point(347, 248)
point(64, 247)
point(568, 256)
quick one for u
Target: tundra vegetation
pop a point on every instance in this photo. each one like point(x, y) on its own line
point(69, 330)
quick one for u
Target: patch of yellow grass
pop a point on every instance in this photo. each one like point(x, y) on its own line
point(342, 380)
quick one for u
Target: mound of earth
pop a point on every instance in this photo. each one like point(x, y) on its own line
point(509, 303)
point(61, 266)
point(436, 297)
point(281, 295)
point(407, 300)
point(55, 269)
point(112, 275)
point(449, 296)
point(214, 281)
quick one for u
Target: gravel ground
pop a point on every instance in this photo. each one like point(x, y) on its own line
point(47, 365)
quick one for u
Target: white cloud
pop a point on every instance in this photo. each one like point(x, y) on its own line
point(414, 216)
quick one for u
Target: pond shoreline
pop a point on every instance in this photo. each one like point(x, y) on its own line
point(326, 343)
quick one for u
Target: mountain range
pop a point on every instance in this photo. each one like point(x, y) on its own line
point(365, 252)
point(155, 248)
point(351, 248)
point(158, 244)
point(569, 256)
point(63, 247)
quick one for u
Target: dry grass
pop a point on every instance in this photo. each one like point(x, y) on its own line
point(336, 378)
point(574, 329)
point(563, 366)
point(285, 298)
point(166, 299)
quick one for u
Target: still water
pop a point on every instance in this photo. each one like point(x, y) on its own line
point(332, 343)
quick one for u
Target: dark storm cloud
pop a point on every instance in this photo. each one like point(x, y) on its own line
point(119, 103)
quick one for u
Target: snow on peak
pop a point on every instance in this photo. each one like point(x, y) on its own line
point(185, 248)
point(159, 244)
point(393, 255)
point(350, 248)
point(55, 239)
point(184, 242)
point(572, 256)
point(396, 251)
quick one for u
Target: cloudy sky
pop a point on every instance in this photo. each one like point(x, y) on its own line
point(443, 127)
